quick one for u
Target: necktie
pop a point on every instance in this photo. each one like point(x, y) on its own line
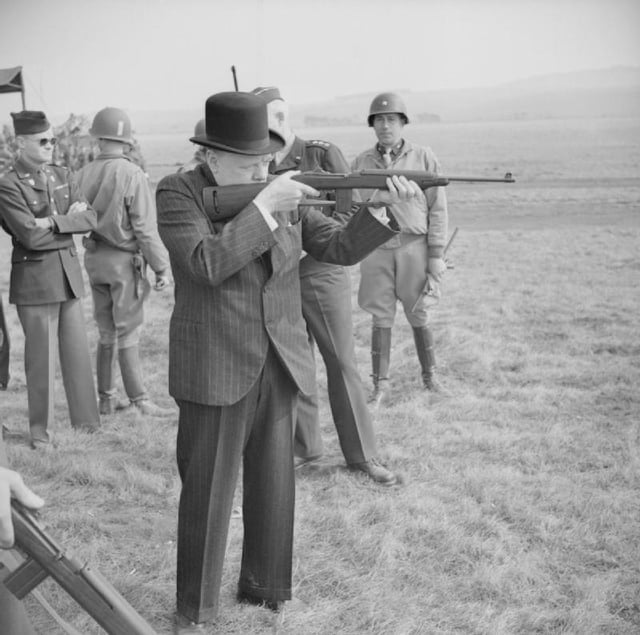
point(386, 157)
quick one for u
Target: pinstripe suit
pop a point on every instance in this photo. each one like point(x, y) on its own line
point(238, 355)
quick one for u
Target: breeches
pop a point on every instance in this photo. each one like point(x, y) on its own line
point(212, 443)
point(117, 300)
point(388, 275)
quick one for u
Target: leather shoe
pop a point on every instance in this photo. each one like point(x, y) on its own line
point(247, 598)
point(375, 471)
point(184, 626)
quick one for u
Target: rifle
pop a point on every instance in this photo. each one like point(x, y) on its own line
point(431, 287)
point(224, 202)
point(235, 79)
point(86, 586)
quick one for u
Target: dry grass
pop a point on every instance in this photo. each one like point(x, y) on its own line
point(520, 508)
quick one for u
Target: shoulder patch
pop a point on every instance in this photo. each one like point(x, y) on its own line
point(317, 143)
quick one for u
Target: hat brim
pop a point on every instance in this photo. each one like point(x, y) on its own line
point(275, 143)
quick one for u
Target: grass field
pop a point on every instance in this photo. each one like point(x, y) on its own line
point(520, 507)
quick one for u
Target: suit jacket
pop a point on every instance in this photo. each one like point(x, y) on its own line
point(237, 288)
point(44, 262)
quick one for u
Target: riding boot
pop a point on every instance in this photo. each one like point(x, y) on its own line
point(424, 346)
point(105, 370)
point(131, 372)
point(380, 359)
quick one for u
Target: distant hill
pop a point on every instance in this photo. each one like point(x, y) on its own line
point(611, 92)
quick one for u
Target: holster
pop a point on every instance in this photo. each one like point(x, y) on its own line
point(140, 275)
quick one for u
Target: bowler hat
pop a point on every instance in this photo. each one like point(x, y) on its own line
point(29, 122)
point(237, 122)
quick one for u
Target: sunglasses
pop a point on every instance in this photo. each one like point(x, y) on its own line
point(44, 142)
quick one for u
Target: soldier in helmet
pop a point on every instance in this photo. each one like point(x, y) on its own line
point(326, 307)
point(42, 210)
point(199, 155)
point(398, 269)
point(117, 253)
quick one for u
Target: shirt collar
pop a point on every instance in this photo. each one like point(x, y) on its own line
point(395, 151)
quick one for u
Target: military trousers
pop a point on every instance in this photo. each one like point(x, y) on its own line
point(118, 294)
point(213, 442)
point(47, 328)
point(395, 271)
point(326, 307)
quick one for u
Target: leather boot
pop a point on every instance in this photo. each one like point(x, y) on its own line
point(105, 371)
point(131, 372)
point(424, 346)
point(380, 360)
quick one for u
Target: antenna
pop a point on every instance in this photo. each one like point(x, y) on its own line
point(235, 79)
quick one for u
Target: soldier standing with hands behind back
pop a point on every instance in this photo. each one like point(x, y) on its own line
point(42, 210)
point(116, 257)
point(398, 269)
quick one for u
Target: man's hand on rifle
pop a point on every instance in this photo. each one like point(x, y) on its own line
point(399, 189)
point(12, 486)
point(283, 194)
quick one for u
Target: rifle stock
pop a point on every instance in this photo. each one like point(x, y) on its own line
point(86, 586)
point(224, 202)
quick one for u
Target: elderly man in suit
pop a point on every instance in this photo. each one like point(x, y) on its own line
point(42, 210)
point(238, 350)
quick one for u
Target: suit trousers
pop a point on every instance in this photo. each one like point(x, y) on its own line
point(326, 307)
point(5, 347)
point(212, 442)
point(47, 327)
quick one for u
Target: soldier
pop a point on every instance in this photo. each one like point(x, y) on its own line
point(116, 257)
point(398, 270)
point(199, 155)
point(42, 210)
point(326, 307)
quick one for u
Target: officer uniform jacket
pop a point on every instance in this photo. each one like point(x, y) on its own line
point(45, 266)
point(237, 288)
point(424, 215)
point(313, 156)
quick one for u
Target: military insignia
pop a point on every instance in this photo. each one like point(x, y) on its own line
point(319, 143)
point(385, 103)
point(31, 182)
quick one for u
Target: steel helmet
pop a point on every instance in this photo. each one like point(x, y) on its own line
point(113, 124)
point(200, 130)
point(387, 103)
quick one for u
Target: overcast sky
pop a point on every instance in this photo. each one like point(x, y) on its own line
point(81, 55)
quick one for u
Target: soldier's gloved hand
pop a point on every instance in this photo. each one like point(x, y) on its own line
point(283, 194)
point(436, 267)
point(12, 486)
point(162, 280)
point(44, 223)
point(398, 189)
point(78, 206)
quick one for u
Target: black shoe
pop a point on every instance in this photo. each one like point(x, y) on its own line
point(184, 626)
point(375, 471)
point(272, 605)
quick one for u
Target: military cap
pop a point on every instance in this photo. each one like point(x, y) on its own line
point(30, 122)
point(267, 93)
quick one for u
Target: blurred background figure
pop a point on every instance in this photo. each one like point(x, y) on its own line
point(199, 155)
